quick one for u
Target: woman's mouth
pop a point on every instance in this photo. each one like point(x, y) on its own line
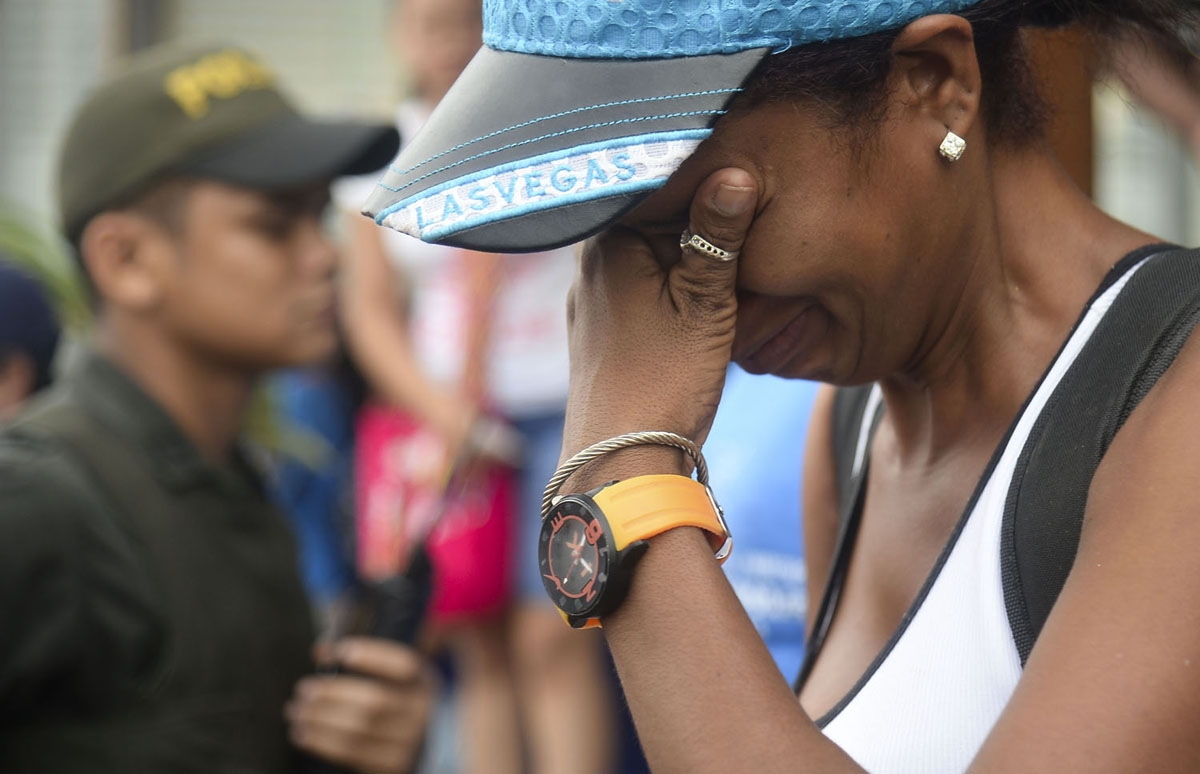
point(798, 338)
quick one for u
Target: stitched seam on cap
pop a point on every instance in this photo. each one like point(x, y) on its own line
point(552, 135)
point(551, 117)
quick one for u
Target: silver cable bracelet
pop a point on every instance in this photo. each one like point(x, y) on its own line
point(640, 438)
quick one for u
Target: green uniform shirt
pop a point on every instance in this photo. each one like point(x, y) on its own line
point(151, 615)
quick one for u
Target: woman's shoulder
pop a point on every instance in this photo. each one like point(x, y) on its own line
point(1160, 421)
point(1120, 642)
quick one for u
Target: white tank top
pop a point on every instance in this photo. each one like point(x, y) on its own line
point(933, 694)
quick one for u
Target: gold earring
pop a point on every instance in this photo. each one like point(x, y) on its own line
point(952, 147)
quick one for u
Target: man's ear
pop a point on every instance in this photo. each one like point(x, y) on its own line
point(126, 256)
point(936, 73)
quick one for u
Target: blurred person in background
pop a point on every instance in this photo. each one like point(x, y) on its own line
point(1167, 82)
point(470, 347)
point(755, 453)
point(152, 613)
point(29, 334)
point(311, 479)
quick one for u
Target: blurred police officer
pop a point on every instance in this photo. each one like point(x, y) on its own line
point(151, 612)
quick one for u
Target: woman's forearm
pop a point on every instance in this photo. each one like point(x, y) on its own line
point(705, 694)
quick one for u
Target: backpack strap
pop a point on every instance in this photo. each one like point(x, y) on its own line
point(1134, 344)
point(855, 416)
point(849, 408)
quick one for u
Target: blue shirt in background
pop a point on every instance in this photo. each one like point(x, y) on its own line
point(317, 494)
point(754, 453)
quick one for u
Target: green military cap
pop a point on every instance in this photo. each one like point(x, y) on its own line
point(211, 113)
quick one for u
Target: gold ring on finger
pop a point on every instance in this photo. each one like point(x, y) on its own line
point(697, 243)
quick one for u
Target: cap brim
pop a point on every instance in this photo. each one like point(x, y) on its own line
point(293, 151)
point(532, 152)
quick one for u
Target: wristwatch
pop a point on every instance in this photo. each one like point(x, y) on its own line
point(590, 543)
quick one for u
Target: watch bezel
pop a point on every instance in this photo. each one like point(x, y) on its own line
point(580, 506)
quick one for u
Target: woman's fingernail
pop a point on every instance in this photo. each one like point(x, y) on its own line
point(733, 200)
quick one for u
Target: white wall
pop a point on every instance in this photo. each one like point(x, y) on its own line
point(331, 55)
point(51, 52)
point(1144, 174)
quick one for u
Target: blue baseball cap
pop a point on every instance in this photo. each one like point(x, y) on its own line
point(576, 110)
point(28, 323)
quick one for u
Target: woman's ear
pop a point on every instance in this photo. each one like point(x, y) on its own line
point(935, 72)
point(123, 254)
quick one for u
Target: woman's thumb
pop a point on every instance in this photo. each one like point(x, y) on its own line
point(720, 216)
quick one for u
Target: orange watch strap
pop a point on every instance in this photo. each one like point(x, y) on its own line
point(644, 506)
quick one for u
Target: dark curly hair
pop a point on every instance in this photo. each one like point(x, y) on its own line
point(847, 77)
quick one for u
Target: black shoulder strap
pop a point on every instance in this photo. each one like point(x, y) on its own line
point(849, 414)
point(849, 405)
point(1133, 345)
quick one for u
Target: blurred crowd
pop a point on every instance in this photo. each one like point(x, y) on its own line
point(402, 405)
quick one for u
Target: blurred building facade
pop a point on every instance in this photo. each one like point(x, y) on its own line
point(1144, 173)
point(333, 57)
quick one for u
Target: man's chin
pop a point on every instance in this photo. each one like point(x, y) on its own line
point(307, 354)
point(312, 355)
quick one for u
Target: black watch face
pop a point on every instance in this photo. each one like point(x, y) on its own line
point(574, 554)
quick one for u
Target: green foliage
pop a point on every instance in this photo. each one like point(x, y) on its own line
point(36, 247)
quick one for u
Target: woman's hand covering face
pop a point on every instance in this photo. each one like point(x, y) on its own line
point(651, 325)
